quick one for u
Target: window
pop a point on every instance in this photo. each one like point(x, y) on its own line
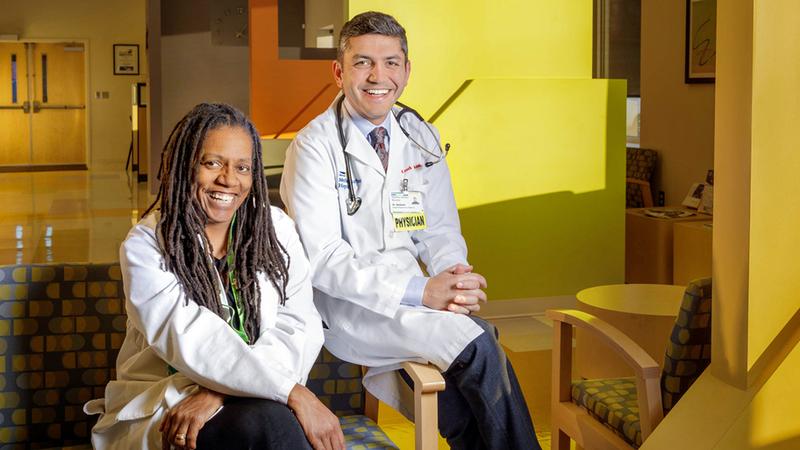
point(617, 35)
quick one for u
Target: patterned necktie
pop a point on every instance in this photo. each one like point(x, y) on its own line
point(378, 139)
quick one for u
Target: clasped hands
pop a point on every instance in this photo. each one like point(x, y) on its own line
point(457, 289)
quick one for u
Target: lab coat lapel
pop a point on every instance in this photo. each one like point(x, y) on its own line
point(358, 146)
point(397, 144)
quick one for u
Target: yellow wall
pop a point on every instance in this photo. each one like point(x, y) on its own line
point(775, 192)
point(748, 399)
point(770, 420)
point(103, 23)
point(540, 183)
point(731, 237)
point(453, 41)
point(718, 416)
point(537, 155)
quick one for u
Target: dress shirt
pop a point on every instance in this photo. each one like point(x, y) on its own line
point(415, 288)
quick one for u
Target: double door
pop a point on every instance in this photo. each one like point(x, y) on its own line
point(42, 105)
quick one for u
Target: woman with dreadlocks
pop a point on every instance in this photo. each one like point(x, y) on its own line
point(220, 308)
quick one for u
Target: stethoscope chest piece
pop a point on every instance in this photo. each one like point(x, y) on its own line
point(353, 203)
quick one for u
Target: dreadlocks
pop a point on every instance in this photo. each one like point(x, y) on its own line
point(181, 228)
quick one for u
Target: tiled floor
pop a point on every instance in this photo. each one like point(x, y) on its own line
point(73, 216)
point(82, 216)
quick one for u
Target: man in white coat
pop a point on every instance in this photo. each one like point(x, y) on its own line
point(371, 199)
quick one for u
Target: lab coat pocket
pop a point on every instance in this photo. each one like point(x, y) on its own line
point(144, 404)
point(166, 393)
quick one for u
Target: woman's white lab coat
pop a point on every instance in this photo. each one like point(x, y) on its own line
point(360, 265)
point(163, 330)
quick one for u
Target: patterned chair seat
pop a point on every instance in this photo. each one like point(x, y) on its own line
point(612, 401)
point(338, 386)
point(361, 433)
point(61, 327)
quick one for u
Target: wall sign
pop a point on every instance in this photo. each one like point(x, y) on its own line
point(126, 59)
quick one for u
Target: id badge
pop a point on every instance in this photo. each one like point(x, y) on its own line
point(407, 211)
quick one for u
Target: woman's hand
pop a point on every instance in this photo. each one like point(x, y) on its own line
point(183, 422)
point(319, 423)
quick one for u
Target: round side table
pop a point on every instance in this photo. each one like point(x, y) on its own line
point(644, 312)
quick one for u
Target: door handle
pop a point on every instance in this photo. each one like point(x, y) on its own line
point(26, 107)
point(37, 106)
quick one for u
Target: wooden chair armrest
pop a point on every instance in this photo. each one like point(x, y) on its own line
point(427, 382)
point(637, 181)
point(642, 363)
point(425, 376)
point(648, 373)
point(647, 194)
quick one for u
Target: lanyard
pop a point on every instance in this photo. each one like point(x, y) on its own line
point(234, 291)
point(233, 284)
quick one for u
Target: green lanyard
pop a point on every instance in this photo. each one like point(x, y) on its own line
point(232, 280)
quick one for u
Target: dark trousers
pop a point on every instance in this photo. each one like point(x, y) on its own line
point(251, 423)
point(482, 406)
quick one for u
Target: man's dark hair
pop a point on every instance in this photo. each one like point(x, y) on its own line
point(371, 22)
point(181, 228)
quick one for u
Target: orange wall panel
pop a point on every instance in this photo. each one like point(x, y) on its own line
point(284, 94)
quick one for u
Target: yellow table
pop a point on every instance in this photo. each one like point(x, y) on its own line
point(644, 312)
point(648, 244)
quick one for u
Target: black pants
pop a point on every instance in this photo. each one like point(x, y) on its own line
point(482, 406)
point(252, 424)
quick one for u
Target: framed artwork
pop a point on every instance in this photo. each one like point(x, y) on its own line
point(701, 41)
point(126, 59)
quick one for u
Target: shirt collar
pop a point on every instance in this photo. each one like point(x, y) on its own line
point(364, 125)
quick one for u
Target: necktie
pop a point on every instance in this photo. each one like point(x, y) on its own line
point(378, 139)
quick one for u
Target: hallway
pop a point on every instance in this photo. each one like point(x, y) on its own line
point(70, 216)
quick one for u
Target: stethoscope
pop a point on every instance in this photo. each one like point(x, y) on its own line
point(353, 201)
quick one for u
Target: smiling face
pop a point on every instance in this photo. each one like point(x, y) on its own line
point(372, 74)
point(224, 176)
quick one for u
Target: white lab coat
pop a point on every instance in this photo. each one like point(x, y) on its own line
point(162, 330)
point(360, 266)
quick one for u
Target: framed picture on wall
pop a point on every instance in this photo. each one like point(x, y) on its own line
point(126, 59)
point(701, 41)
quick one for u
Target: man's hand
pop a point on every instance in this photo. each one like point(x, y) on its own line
point(456, 289)
point(320, 425)
point(183, 422)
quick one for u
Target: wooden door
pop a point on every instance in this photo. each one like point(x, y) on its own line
point(59, 115)
point(14, 122)
point(42, 105)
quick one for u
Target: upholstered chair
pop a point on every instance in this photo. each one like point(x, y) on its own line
point(640, 166)
point(620, 413)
